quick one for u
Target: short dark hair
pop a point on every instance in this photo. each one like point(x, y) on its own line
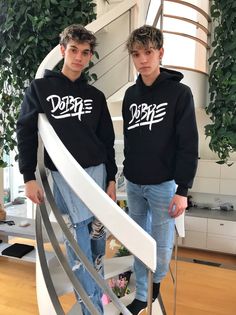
point(79, 34)
point(145, 35)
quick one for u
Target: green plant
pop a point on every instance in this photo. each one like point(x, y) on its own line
point(222, 81)
point(29, 30)
point(122, 251)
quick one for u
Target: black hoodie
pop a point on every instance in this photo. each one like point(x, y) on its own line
point(160, 132)
point(79, 115)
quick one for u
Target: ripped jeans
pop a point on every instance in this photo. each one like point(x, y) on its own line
point(88, 232)
point(92, 244)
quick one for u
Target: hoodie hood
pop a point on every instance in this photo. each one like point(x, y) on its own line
point(60, 75)
point(165, 74)
point(79, 115)
point(171, 74)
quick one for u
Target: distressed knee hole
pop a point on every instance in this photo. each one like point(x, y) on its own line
point(78, 265)
point(98, 263)
point(97, 230)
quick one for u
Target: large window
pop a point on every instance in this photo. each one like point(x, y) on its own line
point(13, 185)
point(185, 32)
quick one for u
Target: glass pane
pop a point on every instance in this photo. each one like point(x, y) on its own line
point(187, 52)
point(179, 26)
point(179, 51)
point(13, 182)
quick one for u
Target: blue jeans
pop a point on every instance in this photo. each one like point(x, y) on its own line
point(87, 230)
point(148, 206)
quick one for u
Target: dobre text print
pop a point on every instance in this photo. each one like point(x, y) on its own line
point(144, 114)
point(69, 106)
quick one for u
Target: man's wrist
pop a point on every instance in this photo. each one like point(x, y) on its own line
point(28, 177)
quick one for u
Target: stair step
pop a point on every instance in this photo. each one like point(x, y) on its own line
point(112, 267)
point(117, 265)
point(119, 95)
point(110, 309)
point(75, 310)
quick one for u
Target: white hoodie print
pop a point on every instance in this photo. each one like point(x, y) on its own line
point(144, 114)
point(69, 106)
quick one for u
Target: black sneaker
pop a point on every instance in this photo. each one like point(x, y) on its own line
point(136, 307)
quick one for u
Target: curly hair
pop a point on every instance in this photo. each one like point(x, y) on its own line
point(79, 34)
point(143, 36)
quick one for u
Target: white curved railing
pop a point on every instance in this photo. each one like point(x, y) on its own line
point(103, 201)
point(129, 233)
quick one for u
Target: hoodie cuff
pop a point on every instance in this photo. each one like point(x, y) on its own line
point(182, 191)
point(28, 176)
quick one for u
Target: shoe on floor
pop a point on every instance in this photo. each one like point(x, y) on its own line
point(136, 307)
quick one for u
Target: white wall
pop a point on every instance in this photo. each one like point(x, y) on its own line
point(103, 6)
point(1, 186)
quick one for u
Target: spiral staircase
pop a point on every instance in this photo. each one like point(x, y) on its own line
point(115, 73)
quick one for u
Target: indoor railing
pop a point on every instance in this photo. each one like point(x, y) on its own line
point(100, 204)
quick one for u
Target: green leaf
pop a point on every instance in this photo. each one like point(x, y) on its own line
point(3, 48)
point(220, 162)
point(229, 46)
point(94, 76)
point(29, 30)
point(222, 81)
point(3, 164)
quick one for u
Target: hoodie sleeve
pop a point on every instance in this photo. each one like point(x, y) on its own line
point(187, 142)
point(107, 136)
point(27, 135)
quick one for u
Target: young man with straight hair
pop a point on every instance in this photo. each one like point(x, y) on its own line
point(79, 115)
point(160, 149)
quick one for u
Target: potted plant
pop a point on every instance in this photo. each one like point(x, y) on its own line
point(29, 30)
point(222, 81)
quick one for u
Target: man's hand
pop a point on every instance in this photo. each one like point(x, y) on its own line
point(34, 192)
point(111, 190)
point(177, 206)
